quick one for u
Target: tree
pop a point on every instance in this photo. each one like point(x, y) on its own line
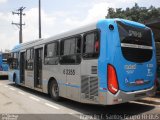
point(136, 13)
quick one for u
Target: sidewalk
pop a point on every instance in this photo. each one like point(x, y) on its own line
point(152, 100)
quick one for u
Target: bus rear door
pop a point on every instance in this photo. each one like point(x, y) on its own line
point(22, 67)
point(38, 68)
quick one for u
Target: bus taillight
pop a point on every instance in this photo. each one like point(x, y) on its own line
point(112, 79)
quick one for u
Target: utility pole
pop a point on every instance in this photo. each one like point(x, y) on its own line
point(40, 19)
point(20, 24)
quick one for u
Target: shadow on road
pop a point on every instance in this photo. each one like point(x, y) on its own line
point(119, 111)
point(2, 78)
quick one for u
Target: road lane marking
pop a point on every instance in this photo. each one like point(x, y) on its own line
point(33, 98)
point(52, 106)
point(77, 116)
point(11, 88)
point(144, 103)
point(157, 101)
point(6, 86)
point(21, 93)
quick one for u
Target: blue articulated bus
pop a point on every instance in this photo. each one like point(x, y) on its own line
point(4, 67)
point(108, 62)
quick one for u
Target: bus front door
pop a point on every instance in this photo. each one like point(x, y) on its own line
point(38, 68)
point(22, 67)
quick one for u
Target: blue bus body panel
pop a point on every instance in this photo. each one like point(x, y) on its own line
point(16, 71)
point(4, 66)
point(127, 72)
point(0, 59)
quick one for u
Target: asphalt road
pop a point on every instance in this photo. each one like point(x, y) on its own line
point(23, 103)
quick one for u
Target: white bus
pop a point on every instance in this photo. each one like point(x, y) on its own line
point(108, 62)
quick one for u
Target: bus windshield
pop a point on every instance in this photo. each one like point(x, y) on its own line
point(136, 43)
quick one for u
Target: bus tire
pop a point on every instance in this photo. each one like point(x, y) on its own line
point(54, 90)
point(14, 79)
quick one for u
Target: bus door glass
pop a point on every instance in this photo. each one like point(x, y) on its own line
point(38, 68)
point(29, 76)
point(22, 67)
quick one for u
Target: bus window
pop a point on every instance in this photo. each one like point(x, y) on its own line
point(13, 61)
point(70, 51)
point(5, 56)
point(4, 61)
point(28, 54)
point(91, 45)
point(136, 43)
point(51, 54)
point(29, 60)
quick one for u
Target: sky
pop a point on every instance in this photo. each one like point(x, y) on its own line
point(57, 16)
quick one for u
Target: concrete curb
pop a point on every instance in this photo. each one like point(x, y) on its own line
point(151, 100)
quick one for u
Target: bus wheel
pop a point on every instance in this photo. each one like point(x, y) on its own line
point(54, 91)
point(14, 79)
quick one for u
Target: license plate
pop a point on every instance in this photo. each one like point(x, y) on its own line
point(139, 82)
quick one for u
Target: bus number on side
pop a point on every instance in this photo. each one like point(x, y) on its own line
point(69, 71)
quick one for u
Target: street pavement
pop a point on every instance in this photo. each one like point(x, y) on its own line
point(29, 104)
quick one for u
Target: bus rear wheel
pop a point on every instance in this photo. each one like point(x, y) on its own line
point(54, 91)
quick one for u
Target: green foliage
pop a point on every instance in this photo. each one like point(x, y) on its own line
point(136, 13)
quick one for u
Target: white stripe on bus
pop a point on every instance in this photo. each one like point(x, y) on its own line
point(136, 46)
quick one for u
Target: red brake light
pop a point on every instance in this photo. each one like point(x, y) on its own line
point(112, 79)
point(96, 46)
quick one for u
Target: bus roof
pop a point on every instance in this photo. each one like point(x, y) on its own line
point(70, 33)
point(55, 37)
